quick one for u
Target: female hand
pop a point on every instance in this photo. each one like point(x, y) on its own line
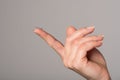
point(79, 52)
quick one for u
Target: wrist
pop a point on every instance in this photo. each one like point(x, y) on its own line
point(104, 76)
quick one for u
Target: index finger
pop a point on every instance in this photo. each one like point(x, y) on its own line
point(52, 41)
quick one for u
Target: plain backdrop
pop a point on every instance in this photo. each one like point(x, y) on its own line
point(25, 56)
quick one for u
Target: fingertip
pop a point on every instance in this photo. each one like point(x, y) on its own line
point(102, 35)
point(37, 30)
point(100, 44)
point(91, 27)
point(70, 30)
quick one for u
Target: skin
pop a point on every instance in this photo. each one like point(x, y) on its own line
point(80, 53)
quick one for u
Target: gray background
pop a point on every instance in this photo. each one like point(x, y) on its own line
point(24, 56)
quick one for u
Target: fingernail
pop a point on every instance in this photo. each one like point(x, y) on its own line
point(101, 35)
point(91, 27)
point(35, 30)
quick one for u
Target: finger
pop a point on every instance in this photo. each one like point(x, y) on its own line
point(90, 38)
point(92, 44)
point(71, 47)
point(76, 45)
point(94, 38)
point(85, 47)
point(78, 34)
point(53, 42)
point(70, 30)
point(81, 33)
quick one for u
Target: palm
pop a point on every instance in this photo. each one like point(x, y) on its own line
point(96, 64)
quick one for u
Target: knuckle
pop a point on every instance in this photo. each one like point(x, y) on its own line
point(72, 65)
point(65, 65)
point(68, 64)
point(81, 47)
point(83, 30)
point(75, 65)
point(68, 39)
point(94, 37)
point(75, 42)
point(88, 44)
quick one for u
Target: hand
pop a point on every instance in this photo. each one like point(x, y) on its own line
point(79, 52)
